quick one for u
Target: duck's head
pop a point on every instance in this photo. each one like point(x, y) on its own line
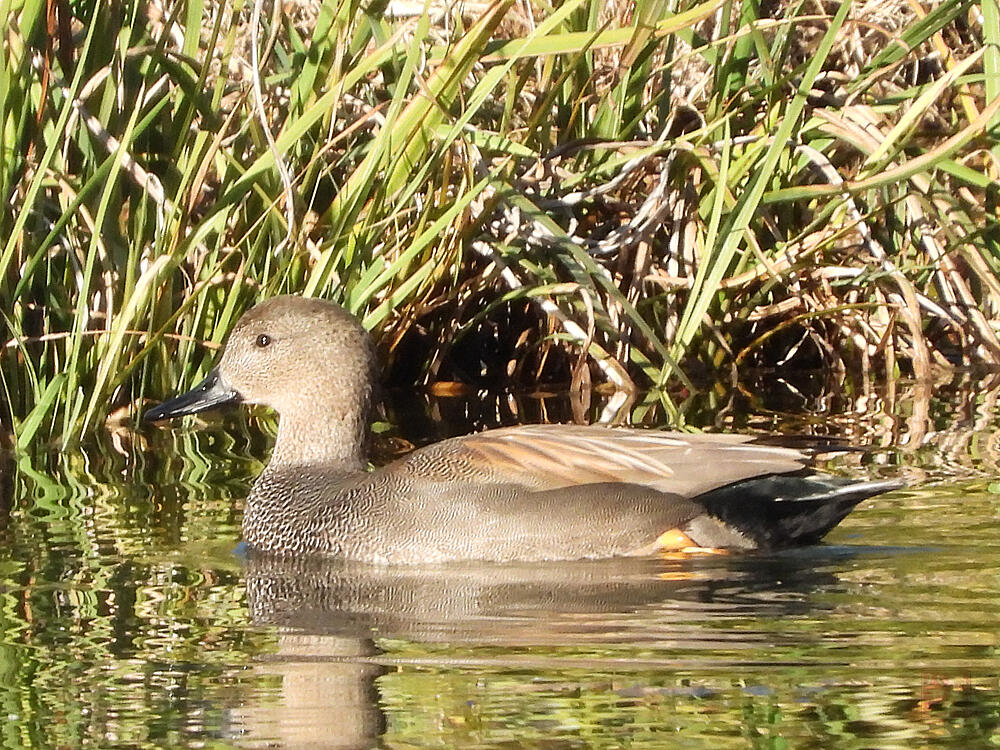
point(304, 358)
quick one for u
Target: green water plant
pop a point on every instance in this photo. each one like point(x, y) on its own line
point(586, 191)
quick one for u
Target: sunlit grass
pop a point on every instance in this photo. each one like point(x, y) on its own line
point(585, 192)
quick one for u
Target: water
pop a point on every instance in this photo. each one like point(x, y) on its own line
point(127, 621)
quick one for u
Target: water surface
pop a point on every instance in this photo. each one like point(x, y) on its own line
point(128, 621)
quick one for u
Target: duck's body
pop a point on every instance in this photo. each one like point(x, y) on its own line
point(540, 492)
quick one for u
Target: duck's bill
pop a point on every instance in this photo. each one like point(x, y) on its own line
point(209, 393)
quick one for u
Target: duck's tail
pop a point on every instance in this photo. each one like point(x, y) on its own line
point(787, 510)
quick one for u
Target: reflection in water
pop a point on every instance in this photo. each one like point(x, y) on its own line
point(330, 613)
point(340, 597)
point(327, 697)
point(125, 621)
point(715, 649)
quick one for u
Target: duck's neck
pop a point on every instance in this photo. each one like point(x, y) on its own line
point(337, 442)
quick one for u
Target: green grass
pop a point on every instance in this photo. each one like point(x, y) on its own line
point(659, 193)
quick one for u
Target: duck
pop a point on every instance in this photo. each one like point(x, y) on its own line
point(529, 493)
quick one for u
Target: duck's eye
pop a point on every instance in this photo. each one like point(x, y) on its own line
point(263, 340)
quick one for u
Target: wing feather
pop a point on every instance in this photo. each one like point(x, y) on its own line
point(548, 457)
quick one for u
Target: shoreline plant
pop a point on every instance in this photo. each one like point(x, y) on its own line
point(631, 194)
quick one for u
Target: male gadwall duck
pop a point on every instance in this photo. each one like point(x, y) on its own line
point(541, 492)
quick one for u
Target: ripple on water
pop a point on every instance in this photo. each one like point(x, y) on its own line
point(126, 621)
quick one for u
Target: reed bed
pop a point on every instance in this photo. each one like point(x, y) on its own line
point(507, 194)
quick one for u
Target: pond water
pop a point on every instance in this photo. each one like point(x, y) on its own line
point(126, 619)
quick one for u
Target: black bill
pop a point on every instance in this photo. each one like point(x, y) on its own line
point(208, 393)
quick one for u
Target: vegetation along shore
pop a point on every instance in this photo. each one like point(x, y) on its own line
point(638, 194)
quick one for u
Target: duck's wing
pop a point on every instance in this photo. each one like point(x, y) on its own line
point(548, 457)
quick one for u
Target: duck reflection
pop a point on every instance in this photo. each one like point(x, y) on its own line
point(330, 616)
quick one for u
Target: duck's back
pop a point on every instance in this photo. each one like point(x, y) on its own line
point(554, 456)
